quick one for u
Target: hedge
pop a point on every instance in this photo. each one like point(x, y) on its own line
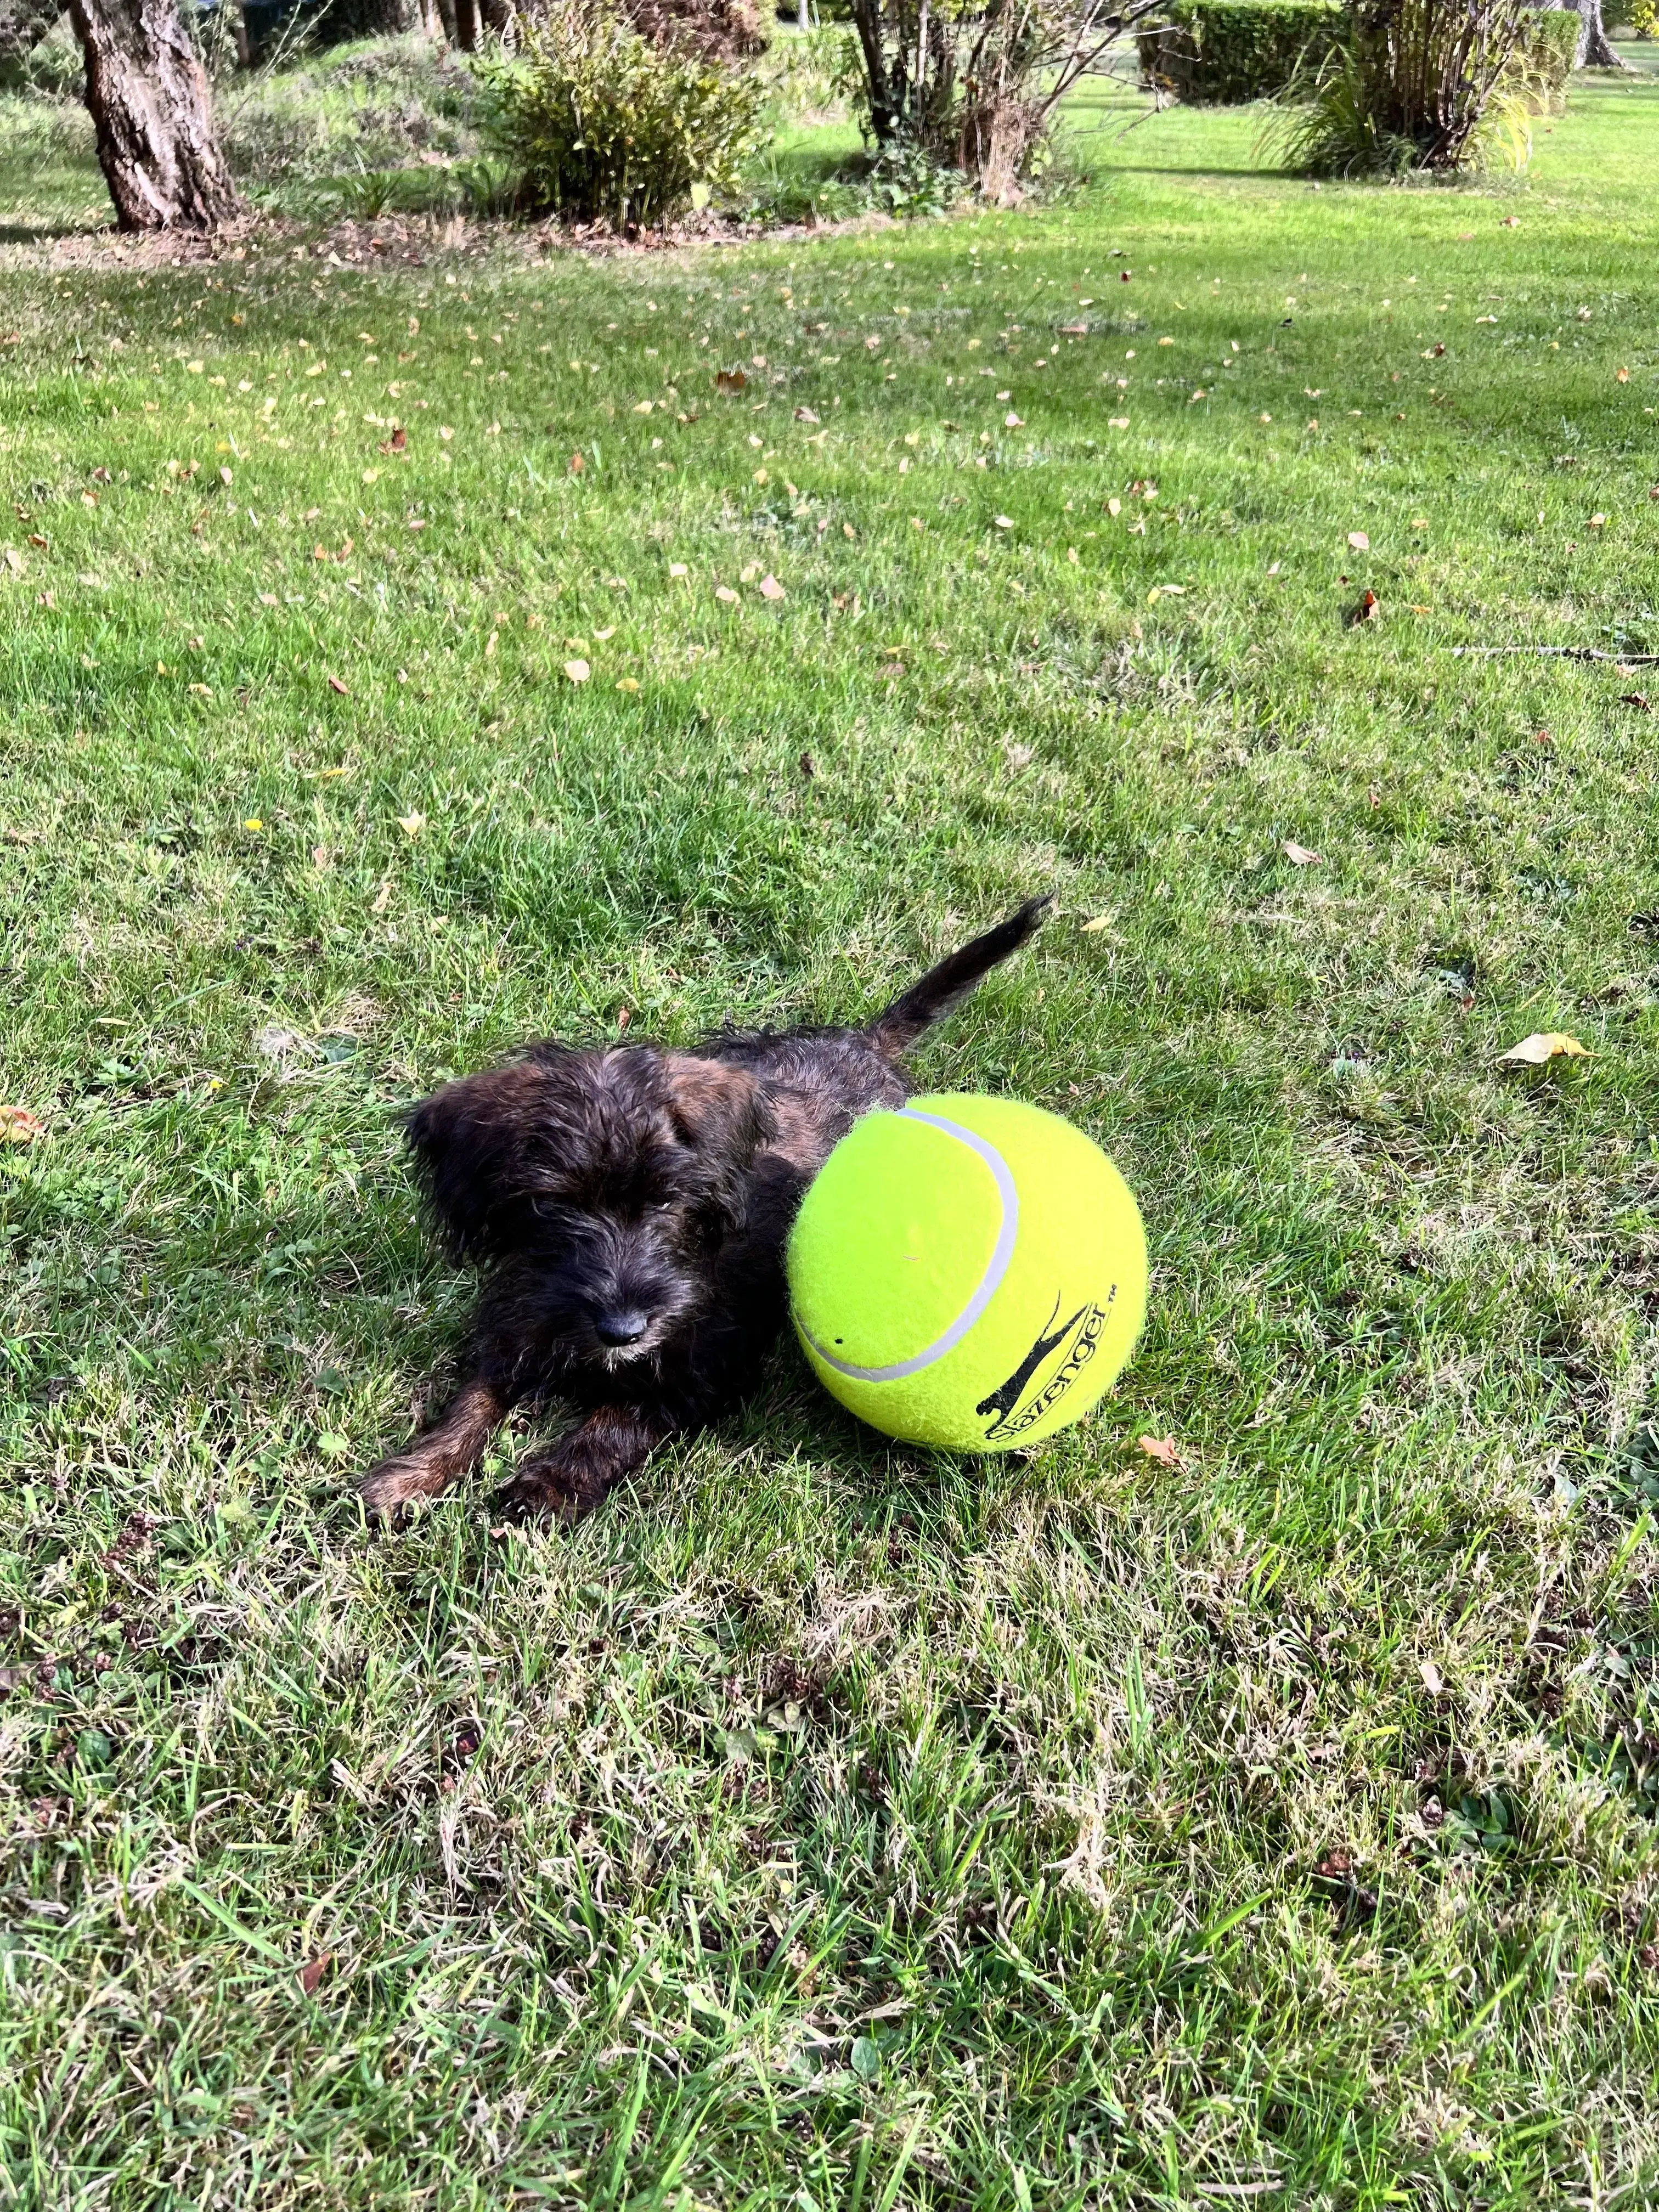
point(1237, 50)
point(1548, 52)
point(1232, 50)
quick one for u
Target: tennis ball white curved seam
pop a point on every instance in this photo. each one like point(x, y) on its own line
point(989, 1283)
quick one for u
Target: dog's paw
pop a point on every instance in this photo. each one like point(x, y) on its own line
point(540, 1493)
point(388, 1489)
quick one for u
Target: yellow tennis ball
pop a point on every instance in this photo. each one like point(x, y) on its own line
point(968, 1271)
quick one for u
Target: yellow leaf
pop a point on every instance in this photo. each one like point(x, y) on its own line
point(1545, 1045)
point(726, 593)
point(1100, 921)
point(628, 684)
point(411, 824)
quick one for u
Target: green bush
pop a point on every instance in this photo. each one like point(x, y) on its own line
point(1434, 86)
point(1545, 54)
point(1238, 49)
point(600, 125)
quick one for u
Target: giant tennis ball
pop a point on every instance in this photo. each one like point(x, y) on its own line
point(968, 1271)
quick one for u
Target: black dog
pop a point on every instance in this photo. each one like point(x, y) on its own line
point(631, 1203)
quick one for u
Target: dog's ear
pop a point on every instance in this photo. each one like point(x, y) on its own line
point(475, 1150)
point(717, 1110)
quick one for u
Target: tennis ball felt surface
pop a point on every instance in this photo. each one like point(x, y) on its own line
point(968, 1271)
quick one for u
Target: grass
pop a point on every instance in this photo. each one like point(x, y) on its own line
point(825, 1823)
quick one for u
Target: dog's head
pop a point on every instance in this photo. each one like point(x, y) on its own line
point(611, 1175)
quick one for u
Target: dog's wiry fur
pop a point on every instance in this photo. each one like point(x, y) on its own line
point(629, 1205)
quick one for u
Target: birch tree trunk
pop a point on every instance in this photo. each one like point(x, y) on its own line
point(1593, 50)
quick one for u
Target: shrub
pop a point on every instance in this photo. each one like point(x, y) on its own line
point(1432, 85)
point(973, 85)
point(1238, 50)
point(601, 125)
point(1545, 54)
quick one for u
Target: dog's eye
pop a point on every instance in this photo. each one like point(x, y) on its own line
point(662, 1206)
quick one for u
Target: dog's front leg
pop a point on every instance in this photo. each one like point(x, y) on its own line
point(567, 1478)
point(451, 1447)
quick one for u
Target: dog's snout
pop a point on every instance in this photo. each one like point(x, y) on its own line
point(625, 1325)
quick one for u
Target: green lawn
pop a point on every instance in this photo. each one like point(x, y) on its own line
point(823, 1824)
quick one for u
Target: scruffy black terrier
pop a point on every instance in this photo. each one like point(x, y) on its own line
point(631, 1203)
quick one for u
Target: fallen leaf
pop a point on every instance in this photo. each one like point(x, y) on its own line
point(1621, 376)
point(1100, 921)
point(1003, 521)
point(411, 824)
point(1369, 608)
point(770, 589)
point(1433, 1680)
point(1299, 856)
point(1012, 422)
point(577, 464)
point(577, 671)
point(1116, 423)
point(19, 1127)
point(1637, 699)
point(678, 569)
point(724, 592)
point(382, 898)
point(226, 478)
point(1545, 1045)
point(628, 684)
point(397, 443)
point(805, 415)
point(1359, 542)
point(335, 684)
point(730, 379)
point(1164, 1449)
point(313, 1971)
point(1598, 522)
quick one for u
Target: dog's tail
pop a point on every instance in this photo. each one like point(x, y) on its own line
point(946, 986)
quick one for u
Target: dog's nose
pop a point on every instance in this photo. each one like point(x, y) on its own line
point(626, 1326)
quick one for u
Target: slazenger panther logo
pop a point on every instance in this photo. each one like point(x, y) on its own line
point(1075, 1341)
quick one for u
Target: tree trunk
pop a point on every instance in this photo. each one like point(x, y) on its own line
point(154, 116)
point(1593, 50)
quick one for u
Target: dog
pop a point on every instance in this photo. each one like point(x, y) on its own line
point(629, 1204)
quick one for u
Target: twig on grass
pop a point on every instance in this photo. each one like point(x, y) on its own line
point(1561, 652)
